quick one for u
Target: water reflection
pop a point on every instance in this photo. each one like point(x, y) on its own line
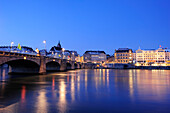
point(153, 83)
point(72, 87)
point(42, 104)
point(107, 78)
point(131, 80)
point(2, 89)
point(4, 73)
point(99, 90)
point(62, 104)
point(23, 94)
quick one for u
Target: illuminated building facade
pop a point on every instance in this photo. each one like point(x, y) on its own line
point(123, 56)
point(56, 51)
point(82, 59)
point(94, 56)
point(59, 52)
point(159, 57)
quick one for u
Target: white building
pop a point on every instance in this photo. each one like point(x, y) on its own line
point(152, 57)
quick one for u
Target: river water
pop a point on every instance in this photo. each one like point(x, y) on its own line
point(87, 91)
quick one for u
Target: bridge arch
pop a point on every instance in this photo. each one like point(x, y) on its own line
point(22, 66)
point(5, 60)
point(68, 66)
point(53, 66)
point(75, 66)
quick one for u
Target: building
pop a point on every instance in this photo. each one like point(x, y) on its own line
point(57, 48)
point(123, 56)
point(152, 57)
point(110, 59)
point(82, 59)
point(56, 51)
point(167, 58)
point(134, 57)
point(109, 62)
point(74, 56)
point(42, 52)
point(94, 56)
point(59, 52)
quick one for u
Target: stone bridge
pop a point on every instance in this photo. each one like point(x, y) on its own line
point(25, 63)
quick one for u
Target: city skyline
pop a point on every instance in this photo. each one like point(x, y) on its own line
point(86, 25)
point(84, 56)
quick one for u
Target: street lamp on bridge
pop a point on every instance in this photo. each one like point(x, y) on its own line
point(73, 59)
point(11, 45)
point(63, 52)
point(44, 43)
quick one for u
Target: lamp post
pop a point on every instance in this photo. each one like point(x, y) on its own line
point(63, 52)
point(73, 57)
point(11, 45)
point(44, 43)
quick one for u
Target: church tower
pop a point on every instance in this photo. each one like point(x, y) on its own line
point(59, 45)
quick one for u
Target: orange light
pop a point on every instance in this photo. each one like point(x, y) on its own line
point(25, 58)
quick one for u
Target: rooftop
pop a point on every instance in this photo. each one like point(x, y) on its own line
point(122, 50)
point(56, 48)
point(95, 52)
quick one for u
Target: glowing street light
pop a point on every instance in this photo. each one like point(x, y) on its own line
point(11, 45)
point(73, 56)
point(44, 43)
point(25, 58)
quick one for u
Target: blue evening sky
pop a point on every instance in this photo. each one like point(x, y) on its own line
point(86, 24)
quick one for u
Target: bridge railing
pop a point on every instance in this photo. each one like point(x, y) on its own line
point(18, 51)
point(29, 54)
point(18, 54)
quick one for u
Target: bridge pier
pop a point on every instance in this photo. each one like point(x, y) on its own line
point(72, 66)
point(82, 66)
point(42, 69)
point(63, 67)
point(78, 66)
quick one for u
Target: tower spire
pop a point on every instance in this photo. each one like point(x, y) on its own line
point(139, 47)
point(59, 45)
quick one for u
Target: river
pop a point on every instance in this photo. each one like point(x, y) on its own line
point(87, 91)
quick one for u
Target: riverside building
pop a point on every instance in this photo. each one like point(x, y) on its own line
point(123, 56)
point(56, 51)
point(94, 57)
point(59, 52)
point(152, 57)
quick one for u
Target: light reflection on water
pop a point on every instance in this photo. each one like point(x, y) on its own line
point(41, 103)
point(99, 90)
